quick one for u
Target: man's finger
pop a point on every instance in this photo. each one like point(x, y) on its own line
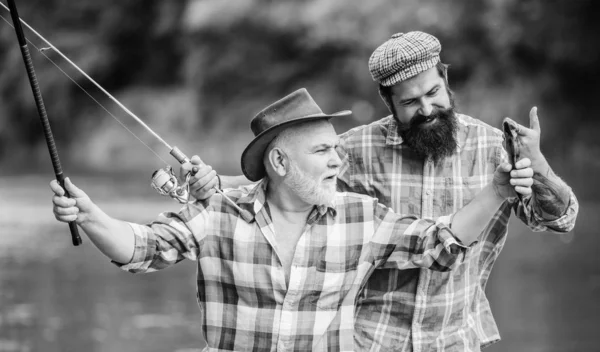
point(192, 167)
point(523, 131)
point(201, 172)
point(186, 167)
point(196, 160)
point(523, 190)
point(66, 218)
point(56, 188)
point(74, 191)
point(72, 210)
point(522, 173)
point(524, 182)
point(504, 167)
point(63, 202)
point(534, 121)
point(206, 182)
point(523, 163)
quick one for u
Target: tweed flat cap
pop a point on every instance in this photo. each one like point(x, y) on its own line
point(403, 56)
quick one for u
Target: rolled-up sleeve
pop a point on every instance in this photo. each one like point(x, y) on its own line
point(524, 211)
point(407, 243)
point(166, 241)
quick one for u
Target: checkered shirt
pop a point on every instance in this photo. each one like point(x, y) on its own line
point(419, 310)
point(241, 285)
point(403, 56)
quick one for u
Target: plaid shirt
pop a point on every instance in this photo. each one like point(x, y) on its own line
point(242, 291)
point(419, 310)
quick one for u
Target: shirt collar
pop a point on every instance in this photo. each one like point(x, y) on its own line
point(256, 200)
point(393, 137)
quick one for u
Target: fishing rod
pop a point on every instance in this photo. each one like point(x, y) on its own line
point(39, 102)
point(163, 180)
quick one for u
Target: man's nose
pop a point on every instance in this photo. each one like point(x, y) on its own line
point(334, 159)
point(426, 108)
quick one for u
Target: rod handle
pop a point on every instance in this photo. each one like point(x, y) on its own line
point(72, 224)
point(178, 154)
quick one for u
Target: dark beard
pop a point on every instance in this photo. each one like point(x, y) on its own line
point(436, 141)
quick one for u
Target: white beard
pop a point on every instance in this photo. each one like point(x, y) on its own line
point(308, 189)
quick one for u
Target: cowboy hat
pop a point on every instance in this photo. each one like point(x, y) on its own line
point(294, 108)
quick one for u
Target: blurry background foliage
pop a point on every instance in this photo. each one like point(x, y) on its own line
point(198, 71)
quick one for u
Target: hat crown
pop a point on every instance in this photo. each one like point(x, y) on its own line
point(403, 56)
point(294, 106)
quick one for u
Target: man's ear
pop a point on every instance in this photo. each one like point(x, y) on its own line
point(384, 93)
point(278, 160)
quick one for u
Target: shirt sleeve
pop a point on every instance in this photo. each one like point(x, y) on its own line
point(405, 242)
point(167, 240)
point(525, 210)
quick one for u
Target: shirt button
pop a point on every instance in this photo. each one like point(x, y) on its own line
point(428, 192)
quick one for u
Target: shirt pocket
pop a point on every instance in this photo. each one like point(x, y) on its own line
point(332, 281)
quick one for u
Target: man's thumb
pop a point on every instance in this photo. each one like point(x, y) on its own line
point(73, 190)
point(504, 167)
point(534, 121)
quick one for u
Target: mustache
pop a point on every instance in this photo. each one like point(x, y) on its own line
point(419, 119)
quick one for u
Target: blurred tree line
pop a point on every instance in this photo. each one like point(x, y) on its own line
point(196, 71)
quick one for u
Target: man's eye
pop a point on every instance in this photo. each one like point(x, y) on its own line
point(341, 151)
point(324, 150)
point(433, 92)
point(407, 103)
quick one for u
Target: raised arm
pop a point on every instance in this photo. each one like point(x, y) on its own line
point(113, 237)
point(407, 242)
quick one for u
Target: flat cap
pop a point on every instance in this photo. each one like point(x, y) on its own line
point(403, 56)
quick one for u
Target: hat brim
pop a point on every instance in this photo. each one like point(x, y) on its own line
point(252, 157)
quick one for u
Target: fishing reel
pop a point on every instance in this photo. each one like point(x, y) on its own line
point(165, 183)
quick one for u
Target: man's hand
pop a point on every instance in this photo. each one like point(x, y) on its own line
point(203, 178)
point(507, 182)
point(113, 237)
point(66, 209)
point(529, 139)
point(469, 222)
point(551, 194)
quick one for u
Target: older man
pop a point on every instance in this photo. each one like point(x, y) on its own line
point(427, 160)
point(289, 278)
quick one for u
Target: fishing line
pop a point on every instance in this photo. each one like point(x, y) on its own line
point(171, 182)
point(41, 51)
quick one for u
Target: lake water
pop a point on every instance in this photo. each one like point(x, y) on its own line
point(544, 289)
